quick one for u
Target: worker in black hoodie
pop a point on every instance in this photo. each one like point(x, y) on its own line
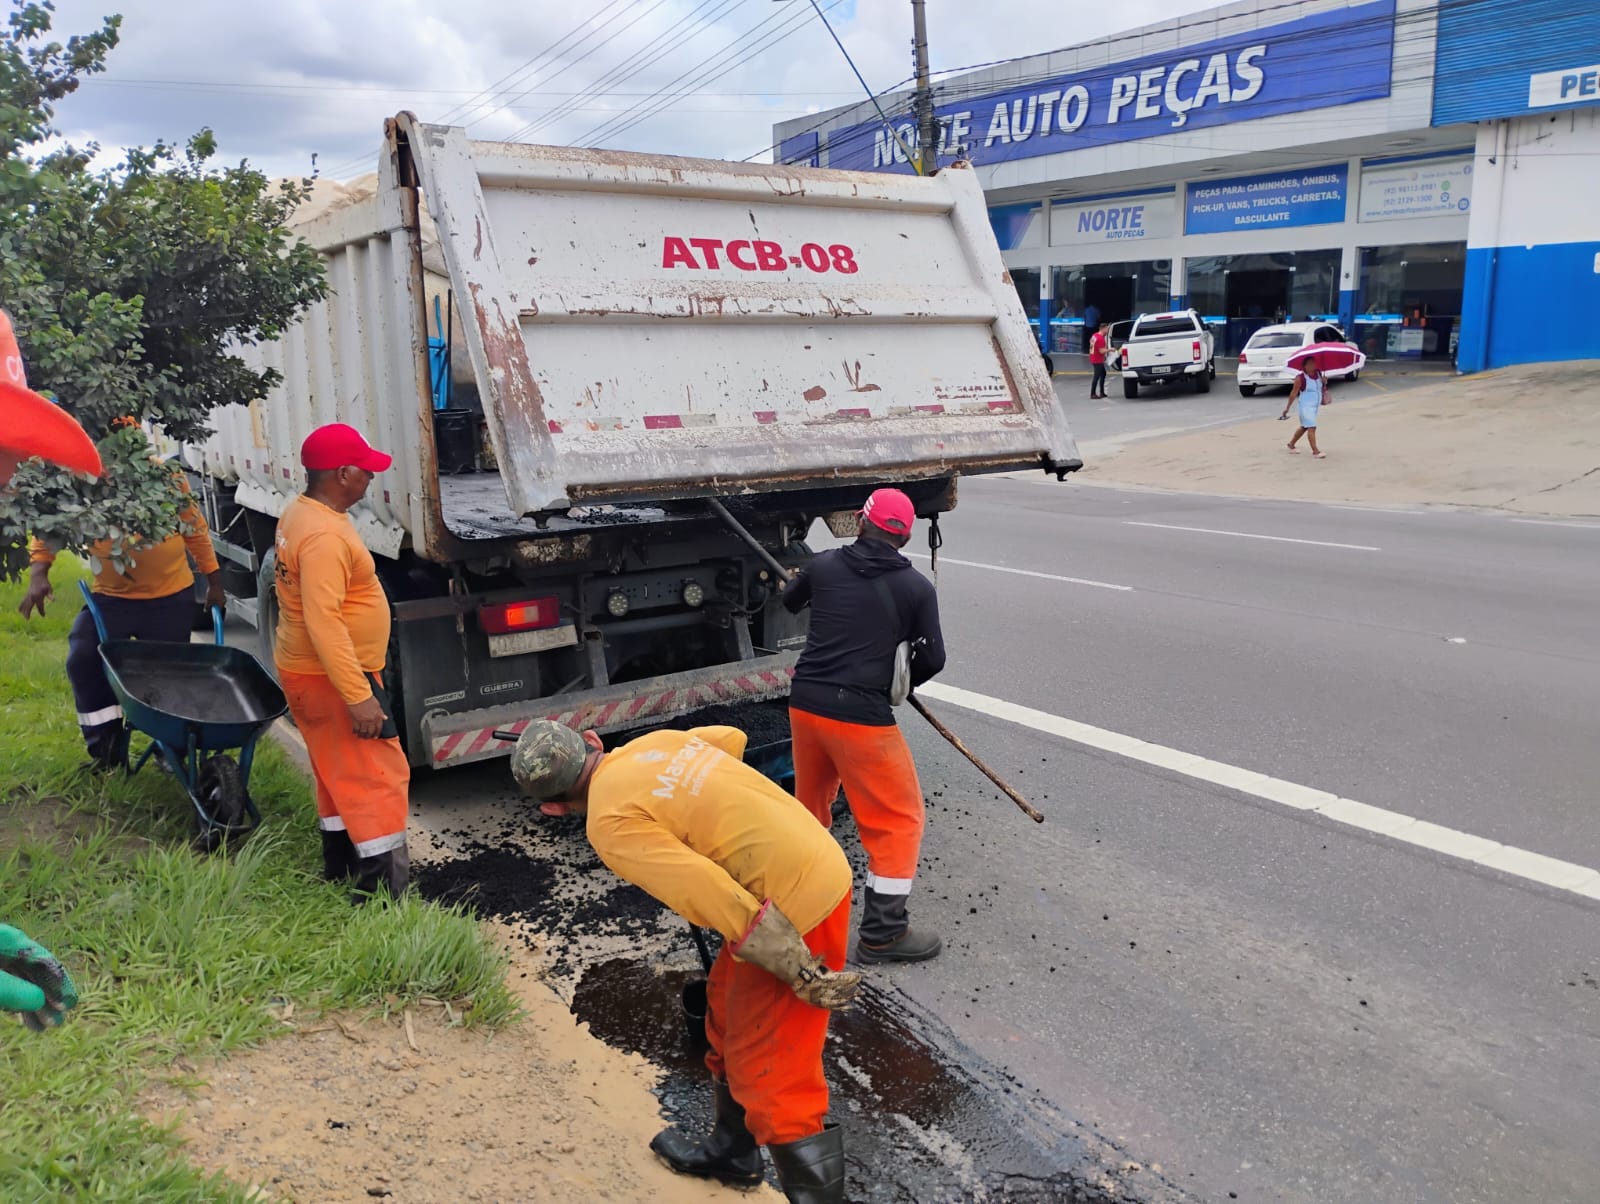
point(869, 607)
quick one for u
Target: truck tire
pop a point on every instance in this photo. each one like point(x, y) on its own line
point(1247, 390)
point(1130, 388)
point(1049, 366)
point(1202, 381)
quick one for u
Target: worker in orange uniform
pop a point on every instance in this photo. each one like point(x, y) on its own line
point(680, 815)
point(332, 642)
point(152, 598)
point(873, 617)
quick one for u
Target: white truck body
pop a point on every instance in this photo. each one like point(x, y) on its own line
point(1167, 348)
point(643, 332)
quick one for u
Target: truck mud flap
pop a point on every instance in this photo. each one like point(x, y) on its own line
point(469, 736)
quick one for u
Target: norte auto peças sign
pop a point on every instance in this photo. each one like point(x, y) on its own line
point(1331, 58)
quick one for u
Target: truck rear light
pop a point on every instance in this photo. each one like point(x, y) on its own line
point(503, 618)
point(1196, 346)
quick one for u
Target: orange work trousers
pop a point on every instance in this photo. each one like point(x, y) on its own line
point(880, 781)
point(767, 1043)
point(362, 785)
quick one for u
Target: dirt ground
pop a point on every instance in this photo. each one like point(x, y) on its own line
point(1520, 439)
point(342, 1109)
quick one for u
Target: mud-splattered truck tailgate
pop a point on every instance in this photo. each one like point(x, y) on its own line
point(652, 327)
point(626, 336)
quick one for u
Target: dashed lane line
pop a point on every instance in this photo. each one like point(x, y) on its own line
point(1000, 568)
point(1316, 543)
point(1522, 863)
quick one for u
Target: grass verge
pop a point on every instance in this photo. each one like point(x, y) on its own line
point(177, 956)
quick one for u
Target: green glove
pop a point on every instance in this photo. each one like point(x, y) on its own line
point(32, 981)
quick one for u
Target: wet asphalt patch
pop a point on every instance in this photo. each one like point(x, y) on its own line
point(926, 1119)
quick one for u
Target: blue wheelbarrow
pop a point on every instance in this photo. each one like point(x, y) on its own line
point(195, 702)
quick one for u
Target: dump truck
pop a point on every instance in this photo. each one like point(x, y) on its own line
point(631, 338)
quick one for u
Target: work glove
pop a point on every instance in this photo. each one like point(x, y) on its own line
point(773, 944)
point(32, 981)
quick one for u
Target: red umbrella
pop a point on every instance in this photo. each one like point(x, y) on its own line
point(32, 426)
point(1330, 357)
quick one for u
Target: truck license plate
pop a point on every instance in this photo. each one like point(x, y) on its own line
point(1161, 369)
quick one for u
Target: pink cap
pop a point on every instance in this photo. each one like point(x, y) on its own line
point(339, 446)
point(891, 511)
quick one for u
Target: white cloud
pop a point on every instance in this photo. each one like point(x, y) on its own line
point(284, 80)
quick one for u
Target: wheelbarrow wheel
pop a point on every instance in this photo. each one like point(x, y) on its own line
point(220, 789)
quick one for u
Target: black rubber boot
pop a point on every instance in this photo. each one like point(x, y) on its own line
point(887, 936)
point(730, 1155)
point(338, 856)
point(390, 872)
point(811, 1170)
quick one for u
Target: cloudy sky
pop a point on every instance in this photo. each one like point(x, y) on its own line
point(283, 80)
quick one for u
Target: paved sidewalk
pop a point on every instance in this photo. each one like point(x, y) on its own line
point(1519, 439)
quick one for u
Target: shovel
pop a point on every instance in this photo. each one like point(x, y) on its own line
point(694, 993)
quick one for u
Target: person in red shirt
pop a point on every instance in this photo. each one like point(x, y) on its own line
point(1099, 347)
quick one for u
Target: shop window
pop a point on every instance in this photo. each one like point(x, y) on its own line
point(1410, 300)
point(1109, 292)
point(1239, 294)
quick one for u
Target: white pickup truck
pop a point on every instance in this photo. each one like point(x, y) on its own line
point(1164, 348)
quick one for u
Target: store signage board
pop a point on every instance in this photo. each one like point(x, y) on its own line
point(801, 150)
point(1331, 58)
point(1016, 227)
point(1312, 197)
point(1424, 188)
point(1114, 220)
point(1575, 85)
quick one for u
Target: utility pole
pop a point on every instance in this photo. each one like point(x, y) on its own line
point(927, 124)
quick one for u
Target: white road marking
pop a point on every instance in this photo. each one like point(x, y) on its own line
point(1000, 568)
point(1318, 543)
point(1550, 522)
point(1535, 867)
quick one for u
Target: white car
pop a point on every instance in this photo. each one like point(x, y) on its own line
point(1261, 363)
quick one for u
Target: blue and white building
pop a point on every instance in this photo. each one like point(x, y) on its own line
point(1412, 169)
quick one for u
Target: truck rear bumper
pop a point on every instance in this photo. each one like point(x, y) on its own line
point(469, 736)
point(1146, 377)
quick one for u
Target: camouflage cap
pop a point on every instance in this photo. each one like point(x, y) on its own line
point(548, 760)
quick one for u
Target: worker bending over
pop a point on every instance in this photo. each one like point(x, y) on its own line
point(681, 816)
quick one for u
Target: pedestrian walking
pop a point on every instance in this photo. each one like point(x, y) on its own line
point(680, 815)
point(1307, 392)
point(331, 646)
point(1098, 343)
point(871, 614)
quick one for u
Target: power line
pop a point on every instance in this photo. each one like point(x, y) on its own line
point(716, 71)
point(633, 65)
point(593, 134)
point(528, 66)
point(641, 16)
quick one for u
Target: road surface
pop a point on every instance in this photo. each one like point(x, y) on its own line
point(1187, 983)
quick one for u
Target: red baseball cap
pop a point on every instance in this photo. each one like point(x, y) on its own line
point(891, 511)
point(339, 446)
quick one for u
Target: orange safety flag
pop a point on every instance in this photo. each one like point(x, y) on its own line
point(30, 425)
